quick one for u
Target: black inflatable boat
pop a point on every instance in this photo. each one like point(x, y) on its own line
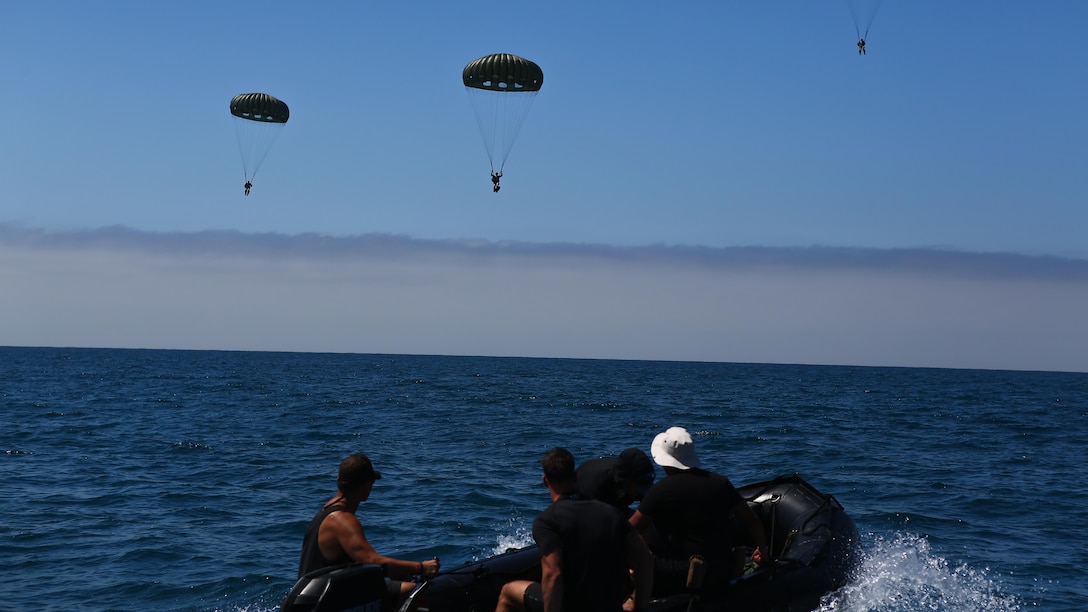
point(814, 549)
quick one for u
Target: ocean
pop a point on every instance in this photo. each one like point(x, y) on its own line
point(183, 480)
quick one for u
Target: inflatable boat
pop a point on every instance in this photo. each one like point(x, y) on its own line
point(814, 549)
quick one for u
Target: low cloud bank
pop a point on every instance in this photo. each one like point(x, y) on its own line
point(117, 287)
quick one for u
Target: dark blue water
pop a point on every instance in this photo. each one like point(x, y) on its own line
point(181, 480)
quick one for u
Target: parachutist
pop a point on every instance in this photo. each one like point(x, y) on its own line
point(863, 12)
point(501, 88)
point(258, 118)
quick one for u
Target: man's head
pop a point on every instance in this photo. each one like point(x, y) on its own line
point(355, 471)
point(636, 472)
point(558, 465)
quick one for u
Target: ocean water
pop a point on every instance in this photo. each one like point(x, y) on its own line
point(183, 480)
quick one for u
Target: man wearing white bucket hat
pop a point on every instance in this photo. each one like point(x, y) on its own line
point(697, 512)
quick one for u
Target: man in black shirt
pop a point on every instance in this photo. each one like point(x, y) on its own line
point(589, 553)
point(696, 513)
point(617, 481)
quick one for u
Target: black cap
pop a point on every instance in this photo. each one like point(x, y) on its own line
point(355, 470)
point(636, 466)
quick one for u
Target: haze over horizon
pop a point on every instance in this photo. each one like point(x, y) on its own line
point(393, 294)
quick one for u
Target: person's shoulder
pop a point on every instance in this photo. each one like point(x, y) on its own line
point(694, 477)
point(713, 477)
point(704, 473)
point(596, 504)
point(545, 519)
point(593, 473)
point(340, 514)
point(578, 504)
point(600, 463)
point(688, 475)
point(599, 512)
point(342, 523)
point(720, 477)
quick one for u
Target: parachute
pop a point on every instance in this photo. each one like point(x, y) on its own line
point(501, 88)
point(863, 12)
point(258, 120)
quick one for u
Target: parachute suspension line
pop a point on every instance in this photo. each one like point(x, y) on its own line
point(501, 88)
point(258, 120)
point(482, 109)
point(255, 140)
point(854, 17)
point(500, 115)
point(501, 128)
point(863, 12)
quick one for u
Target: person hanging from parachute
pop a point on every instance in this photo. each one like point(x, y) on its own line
point(863, 12)
point(258, 120)
point(501, 88)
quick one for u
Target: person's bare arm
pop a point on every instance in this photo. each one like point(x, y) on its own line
point(641, 562)
point(551, 582)
point(749, 519)
point(342, 532)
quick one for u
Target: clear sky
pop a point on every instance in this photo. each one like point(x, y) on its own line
point(721, 180)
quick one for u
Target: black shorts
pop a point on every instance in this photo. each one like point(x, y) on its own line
point(534, 598)
point(392, 594)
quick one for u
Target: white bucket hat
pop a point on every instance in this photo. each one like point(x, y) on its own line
point(674, 448)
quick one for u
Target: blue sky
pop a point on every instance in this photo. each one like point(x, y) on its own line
point(701, 125)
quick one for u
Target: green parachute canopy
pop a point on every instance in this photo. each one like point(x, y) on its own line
point(259, 107)
point(501, 88)
point(503, 72)
point(258, 120)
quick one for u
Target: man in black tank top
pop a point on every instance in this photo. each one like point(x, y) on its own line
point(335, 535)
